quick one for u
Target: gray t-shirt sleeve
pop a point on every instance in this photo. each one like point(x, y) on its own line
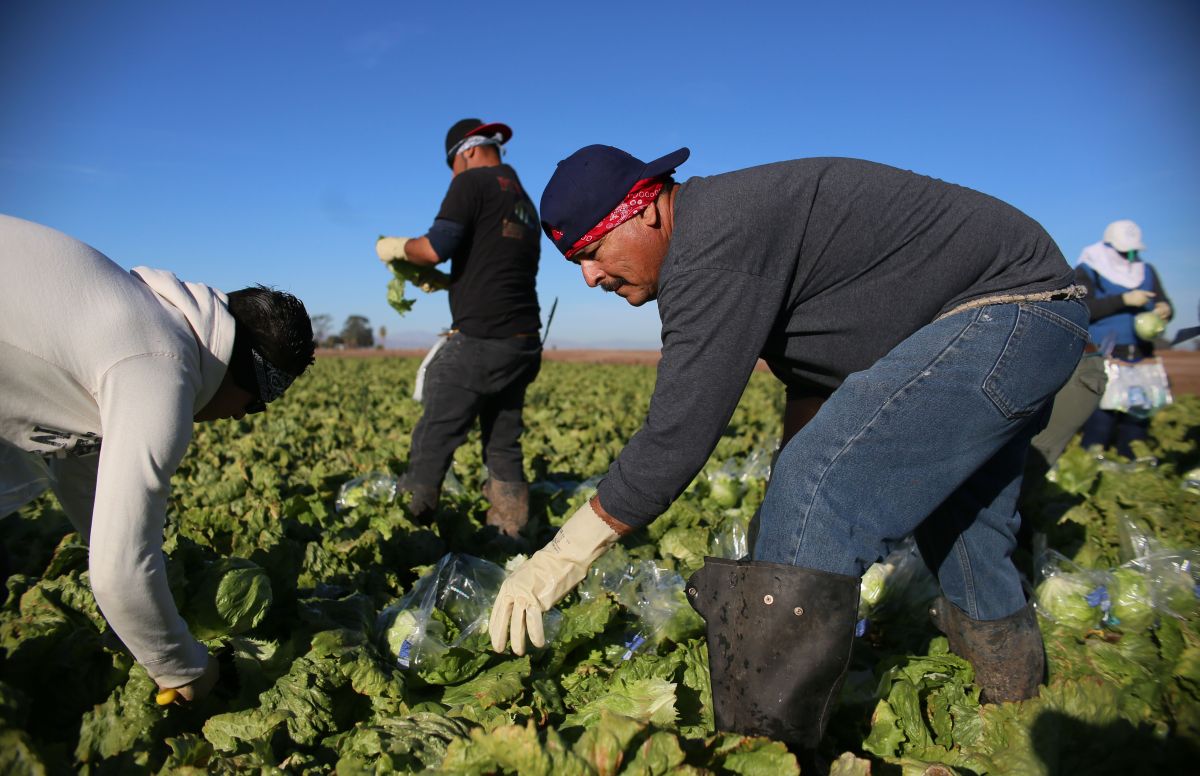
point(715, 322)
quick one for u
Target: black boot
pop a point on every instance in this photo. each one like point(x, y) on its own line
point(779, 640)
point(1007, 654)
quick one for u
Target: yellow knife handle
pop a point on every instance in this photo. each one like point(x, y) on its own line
point(166, 697)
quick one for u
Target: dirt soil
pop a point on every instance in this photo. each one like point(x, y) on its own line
point(1183, 366)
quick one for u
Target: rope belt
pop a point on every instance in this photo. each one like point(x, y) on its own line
point(1070, 292)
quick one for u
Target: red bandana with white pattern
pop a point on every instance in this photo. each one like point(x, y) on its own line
point(637, 200)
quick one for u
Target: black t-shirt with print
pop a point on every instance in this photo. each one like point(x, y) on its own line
point(494, 268)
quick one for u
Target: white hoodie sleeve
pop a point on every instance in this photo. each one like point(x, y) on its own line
point(75, 486)
point(146, 411)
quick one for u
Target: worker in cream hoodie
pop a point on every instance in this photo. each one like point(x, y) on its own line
point(102, 373)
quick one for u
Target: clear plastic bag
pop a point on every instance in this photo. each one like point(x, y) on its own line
point(440, 628)
point(896, 586)
point(1070, 595)
point(1138, 389)
point(1170, 576)
point(730, 540)
point(372, 488)
point(725, 485)
point(652, 594)
point(1134, 541)
point(1174, 581)
point(1131, 599)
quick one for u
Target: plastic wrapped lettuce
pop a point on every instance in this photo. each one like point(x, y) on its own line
point(896, 587)
point(872, 585)
point(1174, 579)
point(231, 596)
point(439, 629)
point(725, 486)
point(1069, 595)
point(1131, 606)
point(731, 482)
point(372, 488)
point(652, 594)
point(730, 539)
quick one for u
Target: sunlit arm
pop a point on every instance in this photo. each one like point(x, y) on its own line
point(420, 252)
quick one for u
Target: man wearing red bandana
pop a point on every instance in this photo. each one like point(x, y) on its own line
point(935, 323)
point(487, 228)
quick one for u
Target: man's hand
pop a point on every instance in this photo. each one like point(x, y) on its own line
point(1163, 310)
point(390, 249)
point(541, 582)
point(195, 689)
point(1137, 297)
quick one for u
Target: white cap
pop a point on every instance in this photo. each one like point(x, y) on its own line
point(1124, 235)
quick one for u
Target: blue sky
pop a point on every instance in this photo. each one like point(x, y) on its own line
point(242, 142)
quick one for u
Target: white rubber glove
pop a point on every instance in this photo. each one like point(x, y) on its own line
point(541, 582)
point(390, 249)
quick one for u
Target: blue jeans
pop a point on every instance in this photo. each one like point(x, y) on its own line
point(930, 441)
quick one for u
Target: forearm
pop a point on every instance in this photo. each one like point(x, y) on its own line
point(419, 251)
point(621, 529)
point(714, 325)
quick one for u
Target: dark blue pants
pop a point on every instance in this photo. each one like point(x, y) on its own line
point(469, 378)
point(1109, 428)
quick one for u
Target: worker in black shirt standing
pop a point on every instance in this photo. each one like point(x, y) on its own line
point(488, 229)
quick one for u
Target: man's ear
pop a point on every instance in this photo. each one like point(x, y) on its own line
point(650, 216)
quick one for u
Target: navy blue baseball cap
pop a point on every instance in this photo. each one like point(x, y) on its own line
point(589, 183)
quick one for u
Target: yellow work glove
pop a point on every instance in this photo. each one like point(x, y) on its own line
point(541, 582)
point(390, 249)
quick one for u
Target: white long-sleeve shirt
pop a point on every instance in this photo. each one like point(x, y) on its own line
point(101, 373)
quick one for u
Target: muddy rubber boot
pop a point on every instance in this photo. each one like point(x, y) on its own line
point(509, 510)
point(1007, 654)
point(779, 640)
point(424, 500)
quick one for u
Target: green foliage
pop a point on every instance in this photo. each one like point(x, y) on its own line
point(290, 591)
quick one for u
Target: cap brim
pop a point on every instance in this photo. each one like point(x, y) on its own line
point(491, 129)
point(665, 164)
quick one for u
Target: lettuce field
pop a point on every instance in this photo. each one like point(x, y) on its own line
point(343, 651)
